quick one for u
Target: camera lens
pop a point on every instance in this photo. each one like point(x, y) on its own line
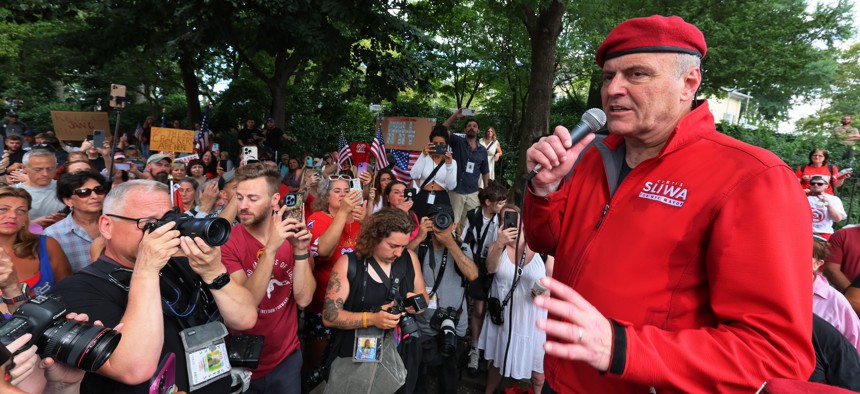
point(448, 339)
point(442, 220)
point(214, 232)
point(79, 344)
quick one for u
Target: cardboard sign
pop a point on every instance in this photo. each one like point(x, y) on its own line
point(75, 126)
point(172, 140)
point(407, 133)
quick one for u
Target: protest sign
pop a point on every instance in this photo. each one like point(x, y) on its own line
point(75, 126)
point(407, 133)
point(172, 140)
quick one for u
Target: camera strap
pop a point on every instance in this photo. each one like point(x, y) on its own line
point(517, 275)
point(441, 273)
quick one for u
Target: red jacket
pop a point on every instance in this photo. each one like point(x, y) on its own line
point(701, 260)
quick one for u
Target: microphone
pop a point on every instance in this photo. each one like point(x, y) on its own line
point(592, 120)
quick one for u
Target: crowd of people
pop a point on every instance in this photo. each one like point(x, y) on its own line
point(625, 270)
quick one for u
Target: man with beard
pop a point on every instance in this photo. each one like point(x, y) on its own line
point(472, 164)
point(157, 168)
point(277, 273)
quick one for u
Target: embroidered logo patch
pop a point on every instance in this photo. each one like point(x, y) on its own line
point(668, 192)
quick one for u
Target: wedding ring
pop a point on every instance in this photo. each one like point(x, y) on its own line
point(580, 336)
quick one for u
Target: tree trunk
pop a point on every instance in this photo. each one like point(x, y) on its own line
point(543, 29)
point(192, 87)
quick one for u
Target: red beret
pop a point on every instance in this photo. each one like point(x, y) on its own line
point(655, 33)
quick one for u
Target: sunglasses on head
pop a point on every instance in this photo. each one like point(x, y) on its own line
point(817, 183)
point(86, 192)
point(339, 177)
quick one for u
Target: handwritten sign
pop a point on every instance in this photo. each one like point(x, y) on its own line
point(186, 159)
point(407, 133)
point(75, 126)
point(172, 140)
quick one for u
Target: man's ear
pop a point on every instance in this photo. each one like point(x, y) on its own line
point(276, 199)
point(692, 80)
point(105, 227)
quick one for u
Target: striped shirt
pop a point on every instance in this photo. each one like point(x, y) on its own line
point(74, 240)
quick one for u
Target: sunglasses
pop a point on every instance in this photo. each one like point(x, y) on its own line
point(339, 177)
point(86, 192)
point(817, 183)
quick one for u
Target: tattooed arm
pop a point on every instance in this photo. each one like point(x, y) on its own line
point(335, 296)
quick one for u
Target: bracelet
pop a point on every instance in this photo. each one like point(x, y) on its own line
point(302, 256)
point(364, 319)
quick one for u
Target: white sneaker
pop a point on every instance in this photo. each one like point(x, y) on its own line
point(473, 360)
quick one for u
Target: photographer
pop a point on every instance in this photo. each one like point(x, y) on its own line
point(443, 326)
point(359, 289)
point(125, 286)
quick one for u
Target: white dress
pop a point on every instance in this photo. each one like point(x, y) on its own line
point(526, 350)
point(491, 160)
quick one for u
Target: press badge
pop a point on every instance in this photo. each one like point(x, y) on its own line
point(367, 347)
point(205, 353)
point(431, 198)
point(432, 304)
point(470, 167)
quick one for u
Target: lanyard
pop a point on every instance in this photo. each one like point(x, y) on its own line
point(517, 275)
point(444, 262)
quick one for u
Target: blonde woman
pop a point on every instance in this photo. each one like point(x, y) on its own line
point(494, 153)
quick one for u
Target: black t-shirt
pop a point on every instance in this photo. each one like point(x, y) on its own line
point(105, 301)
point(98, 164)
point(16, 157)
point(248, 137)
point(836, 360)
point(274, 138)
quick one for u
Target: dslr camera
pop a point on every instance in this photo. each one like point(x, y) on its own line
point(78, 344)
point(442, 215)
point(445, 322)
point(407, 323)
point(213, 231)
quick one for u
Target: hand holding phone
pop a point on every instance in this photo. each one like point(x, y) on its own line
point(845, 171)
point(512, 219)
point(294, 204)
point(468, 112)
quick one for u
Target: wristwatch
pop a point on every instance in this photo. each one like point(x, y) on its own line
point(24, 296)
point(219, 282)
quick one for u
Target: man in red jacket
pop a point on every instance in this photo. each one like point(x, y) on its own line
point(681, 254)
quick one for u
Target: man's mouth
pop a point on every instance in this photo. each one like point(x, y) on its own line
point(617, 108)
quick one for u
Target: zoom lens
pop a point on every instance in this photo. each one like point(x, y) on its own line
point(79, 344)
point(214, 232)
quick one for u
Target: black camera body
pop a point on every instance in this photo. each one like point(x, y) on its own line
point(245, 350)
point(444, 321)
point(79, 344)
point(442, 215)
point(407, 323)
point(213, 231)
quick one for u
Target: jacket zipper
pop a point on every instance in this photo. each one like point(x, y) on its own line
point(602, 216)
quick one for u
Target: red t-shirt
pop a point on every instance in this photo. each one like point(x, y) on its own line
point(318, 223)
point(360, 152)
point(276, 315)
point(845, 251)
point(824, 171)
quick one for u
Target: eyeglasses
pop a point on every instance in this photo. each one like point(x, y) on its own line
point(817, 183)
point(339, 177)
point(141, 222)
point(86, 192)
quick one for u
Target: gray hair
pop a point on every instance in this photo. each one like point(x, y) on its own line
point(684, 62)
point(116, 199)
point(37, 153)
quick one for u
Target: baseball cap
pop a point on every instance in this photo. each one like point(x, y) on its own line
point(655, 33)
point(226, 178)
point(158, 157)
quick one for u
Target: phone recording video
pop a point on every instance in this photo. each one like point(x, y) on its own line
point(512, 219)
point(294, 204)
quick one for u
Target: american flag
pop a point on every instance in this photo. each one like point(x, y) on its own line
point(343, 151)
point(201, 139)
point(403, 162)
point(378, 148)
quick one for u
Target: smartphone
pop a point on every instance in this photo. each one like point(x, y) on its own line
point(249, 154)
point(512, 219)
point(362, 168)
point(309, 162)
point(122, 166)
point(163, 381)
point(440, 149)
point(222, 164)
point(846, 171)
point(215, 147)
point(117, 96)
point(293, 202)
point(98, 138)
point(468, 112)
point(409, 194)
point(355, 184)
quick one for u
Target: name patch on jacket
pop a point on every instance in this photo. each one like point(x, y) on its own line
point(668, 192)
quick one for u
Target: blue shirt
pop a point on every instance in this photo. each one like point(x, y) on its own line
point(471, 163)
point(74, 240)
